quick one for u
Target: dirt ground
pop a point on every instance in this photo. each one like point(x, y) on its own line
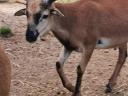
point(33, 65)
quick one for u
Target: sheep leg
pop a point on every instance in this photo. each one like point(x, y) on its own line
point(65, 53)
point(121, 59)
point(81, 69)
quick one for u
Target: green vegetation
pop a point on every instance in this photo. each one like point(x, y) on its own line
point(5, 31)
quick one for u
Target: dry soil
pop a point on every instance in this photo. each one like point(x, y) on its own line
point(33, 65)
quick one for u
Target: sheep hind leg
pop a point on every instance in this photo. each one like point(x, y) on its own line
point(121, 59)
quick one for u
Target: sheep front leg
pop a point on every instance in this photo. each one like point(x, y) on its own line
point(81, 69)
point(65, 53)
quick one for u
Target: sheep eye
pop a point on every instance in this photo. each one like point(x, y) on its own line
point(37, 16)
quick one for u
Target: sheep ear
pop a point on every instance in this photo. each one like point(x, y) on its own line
point(56, 11)
point(20, 12)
